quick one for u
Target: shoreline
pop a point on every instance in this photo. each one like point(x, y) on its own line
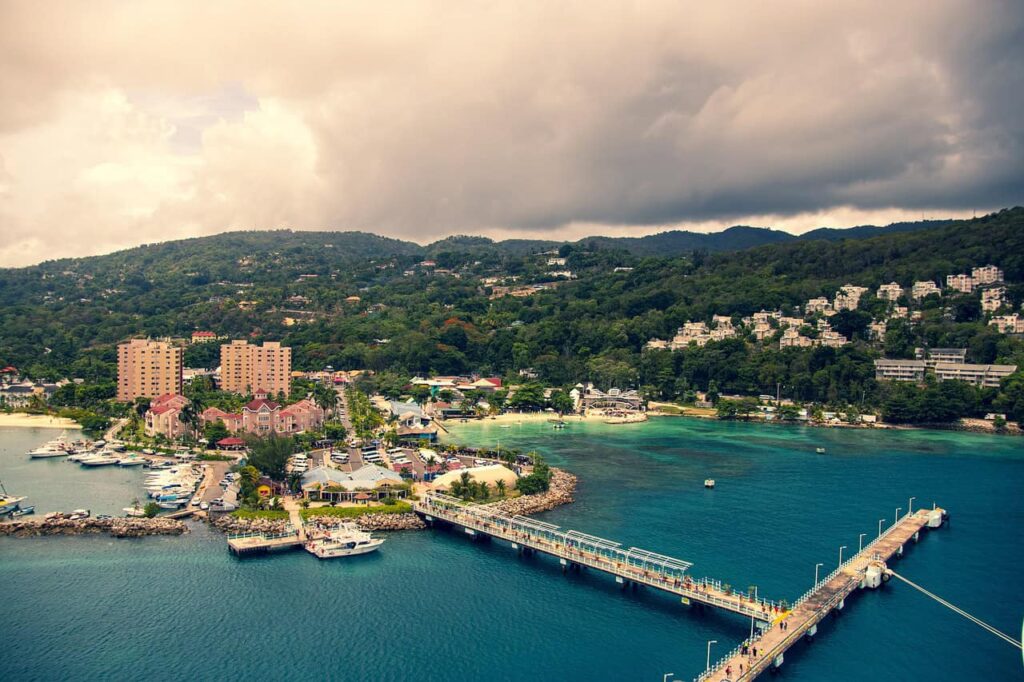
point(39, 421)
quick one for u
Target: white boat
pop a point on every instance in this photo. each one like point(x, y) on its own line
point(709, 483)
point(99, 460)
point(171, 505)
point(134, 511)
point(130, 461)
point(48, 450)
point(820, 451)
point(345, 540)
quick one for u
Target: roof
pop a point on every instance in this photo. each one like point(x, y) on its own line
point(259, 403)
point(231, 440)
point(367, 476)
point(398, 408)
point(490, 474)
point(210, 334)
point(161, 409)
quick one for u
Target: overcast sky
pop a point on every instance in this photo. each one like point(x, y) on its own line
point(130, 122)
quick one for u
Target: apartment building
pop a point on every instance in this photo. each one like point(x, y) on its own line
point(992, 299)
point(922, 289)
point(932, 356)
point(979, 375)
point(246, 368)
point(988, 274)
point(147, 369)
point(848, 297)
point(961, 283)
point(889, 292)
point(1008, 324)
point(899, 370)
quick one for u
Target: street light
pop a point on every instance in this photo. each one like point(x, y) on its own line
point(860, 543)
point(664, 678)
point(710, 642)
point(841, 554)
point(910, 505)
point(896, 519)
point(880, 522)
point(816, 567)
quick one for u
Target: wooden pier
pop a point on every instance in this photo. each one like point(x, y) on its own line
point(247, 544)
point(771, 639)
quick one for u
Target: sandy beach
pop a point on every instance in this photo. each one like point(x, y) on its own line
point(39, 421)
point(513, 417)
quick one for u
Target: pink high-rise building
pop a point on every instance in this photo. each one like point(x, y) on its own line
point(245, 368)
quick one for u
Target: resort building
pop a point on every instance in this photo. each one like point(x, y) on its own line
point(832, 339)
point(992, 299)
point(614, 399)
point(205, 337)
point(889, 292)
point(876, 330)
point(245, 367)
point(932, 356)
point(818, 305)
point(164, 416)
point(988, 274)
point(961, 283)
point(922, 289)
point(979, 375)
point(367, 483)
point(762, 330)
point(848, 297)
point(791, 338)
point(262, 417)
point(489, 474)
point(1008, 324)
point(146, 369)
point(899, 370)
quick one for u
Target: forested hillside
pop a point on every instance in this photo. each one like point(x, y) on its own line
point(354, 300)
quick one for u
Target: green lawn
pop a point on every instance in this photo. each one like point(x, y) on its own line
point(353, 512)
point(261, 514)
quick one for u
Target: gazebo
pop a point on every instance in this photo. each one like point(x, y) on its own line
point(363, 498)
point(231, 443)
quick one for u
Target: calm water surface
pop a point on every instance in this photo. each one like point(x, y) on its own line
point(434, 606)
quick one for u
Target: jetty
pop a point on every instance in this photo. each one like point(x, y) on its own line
point(779, 624)
point(255, 542)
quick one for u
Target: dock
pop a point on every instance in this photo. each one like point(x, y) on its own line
point(247, 544)
point(639, 567)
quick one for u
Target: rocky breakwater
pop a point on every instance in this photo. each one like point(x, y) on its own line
point(382, 522)
point(118, 528)
point(560, 491)
point(235, 524)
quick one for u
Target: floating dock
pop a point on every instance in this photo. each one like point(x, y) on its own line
point(637, 566)
point(247, 544)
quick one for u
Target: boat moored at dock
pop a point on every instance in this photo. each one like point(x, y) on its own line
point(344, 540)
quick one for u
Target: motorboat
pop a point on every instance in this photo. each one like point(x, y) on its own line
point(344, 540)
point(134, 511)
point(132, 461)
point(23, 511)
point(99, 460)
point(58, 447)
point(8, 503)
point(80, 514)
point(709, 483)
point(820, 451)
point(174, 504)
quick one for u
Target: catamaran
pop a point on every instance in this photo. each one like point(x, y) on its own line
point(8, 503)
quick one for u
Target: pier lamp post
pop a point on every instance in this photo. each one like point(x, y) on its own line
point(880, 522)
point(710, 642)
point(841, 548)
point(910, 505)
point(896, 519)
point(664, 678)
point(860, 543)
point(816, 567)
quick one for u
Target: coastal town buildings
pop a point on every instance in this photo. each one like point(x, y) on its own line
point(818, 305)
point(245, 367)
point(164, 416)
point(915, 370)
point(932, 356)
point(992, 299)
point(962, 283)
point(899, 370)
point(591, 398)
point(1008, 324)
point(791, 338)
point(146, 369)
point(987, 274)
point(263, 416)
point(367, 483)
point(848, 297)
point(922, 289)
point(889, 292)
point(205, 337)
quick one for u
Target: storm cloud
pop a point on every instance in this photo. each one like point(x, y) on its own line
point(131, 122)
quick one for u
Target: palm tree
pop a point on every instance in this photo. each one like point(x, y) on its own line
point(325, 398)
point(500, 486)
point(189, 416)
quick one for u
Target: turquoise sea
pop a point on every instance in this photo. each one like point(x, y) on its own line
point(434, 606)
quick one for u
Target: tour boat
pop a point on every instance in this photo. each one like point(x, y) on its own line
point(23, 511)
point(709, 483)
point(345, 540)
point(8, 503)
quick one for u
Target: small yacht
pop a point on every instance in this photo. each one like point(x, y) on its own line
point(820, 451)
point(98, 460)
point(134, 511)
point(709, 483)
point(130, 461)
point(8, 503)
point(23, 511)
point(345, 540)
